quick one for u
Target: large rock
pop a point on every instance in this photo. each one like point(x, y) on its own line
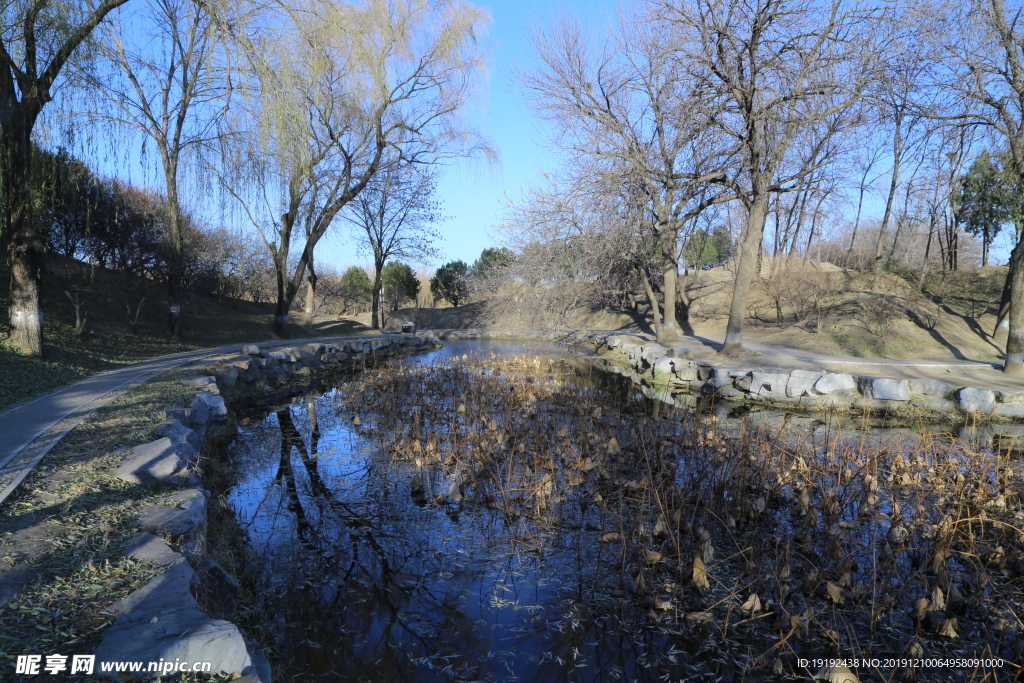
point(204, 382)
point(650, 353)
point(179, 433)
point(161, 462)
point(284, 356)
point(215, 406)
point(1013, 410)
point(801, 383)
point(766, 383)
point(188, 517)
point(665, 368)
point(153, 549)
point(251, 350)
point(929, 387)
point(977, 400)
point(885, 388)
point(835, 381)
point(1009, 394)
point(162, 620)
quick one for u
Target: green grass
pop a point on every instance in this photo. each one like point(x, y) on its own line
point(108, 344)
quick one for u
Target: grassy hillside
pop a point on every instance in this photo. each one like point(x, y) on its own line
point(108, 341)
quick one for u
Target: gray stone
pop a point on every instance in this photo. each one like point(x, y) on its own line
point(200, 414)
point(188, 517)
point(929, 387)
point(801, 383)
point(161, 462)
point(332, 357)
point(1014, 410)
point(650, 353)
point(934, 403)
point(838, 381)
point(179, 433)
point(977, 400)
point(162, 620)
point(743, 382)
point(1009, 394)
point(205, 382)
point(153, 549)
point(885, 388)
point(731, 392)
point(251, 350)
point(665, 367)
point(283, 356)
point(215, 406)
point(768, 383)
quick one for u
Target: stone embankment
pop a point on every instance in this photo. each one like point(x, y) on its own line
point(163, 619)
point(682, 375)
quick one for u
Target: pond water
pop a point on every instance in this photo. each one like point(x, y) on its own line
point(529, 516)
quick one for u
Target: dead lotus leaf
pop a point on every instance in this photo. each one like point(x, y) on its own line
point(752, 605)
point(610, 537)
point(834, 592)
point(920, 609)
point(700, 618)
point(613, 446)
point(652, 556)
point(948, 628)
point(700, 574)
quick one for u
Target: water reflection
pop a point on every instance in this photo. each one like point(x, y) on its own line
point(370, 583)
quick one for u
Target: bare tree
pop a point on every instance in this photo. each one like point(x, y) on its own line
point(982, 70)
point(163, 84)
point(787, 73)
point(632, 105)
point(394, 214)
point(36, 41)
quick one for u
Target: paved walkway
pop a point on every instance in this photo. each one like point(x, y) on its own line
point(28, 431)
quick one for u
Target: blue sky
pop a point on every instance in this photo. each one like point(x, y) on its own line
point(472, 193)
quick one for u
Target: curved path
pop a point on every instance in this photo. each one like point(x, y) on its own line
point(29, 430)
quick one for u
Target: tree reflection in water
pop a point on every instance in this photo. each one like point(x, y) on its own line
point(367, 585)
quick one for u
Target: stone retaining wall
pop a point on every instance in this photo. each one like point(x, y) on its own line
point(680, 375)
point(163, 620)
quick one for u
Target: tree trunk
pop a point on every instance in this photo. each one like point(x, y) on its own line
point(897, 153)
point(310, 294)
point(669, 329)
point(655, 310)
point(750, 248)
point(1003, 317)
point(1014, 363)
point(284, 299)
point(375, 298)
point(176, 246)
point(25, 246)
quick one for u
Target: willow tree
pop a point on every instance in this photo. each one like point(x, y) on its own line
point(161, 82)
point(340, 93)
point(786, 73)
point(629, 103)
point(37, 40)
